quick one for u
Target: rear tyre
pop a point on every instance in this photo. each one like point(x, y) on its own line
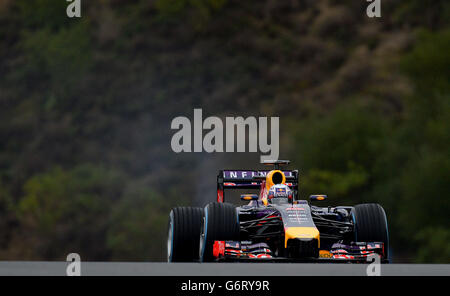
point(183, 232)
point(220, 222)
point(371, 225)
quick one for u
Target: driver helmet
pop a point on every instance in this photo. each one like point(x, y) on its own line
point(280, 193)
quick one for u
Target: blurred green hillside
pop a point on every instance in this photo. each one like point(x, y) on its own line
point(86, 105)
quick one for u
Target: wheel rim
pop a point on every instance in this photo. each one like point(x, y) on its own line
point(354, 227)
point(202, 241)
point(170, 242)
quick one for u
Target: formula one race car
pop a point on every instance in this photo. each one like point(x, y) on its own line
point(275, 225)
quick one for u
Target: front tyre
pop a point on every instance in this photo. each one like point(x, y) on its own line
point(220, 223)
point(182, 235)
point(371, 225)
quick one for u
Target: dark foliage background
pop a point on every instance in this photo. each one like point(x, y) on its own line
point(86, 105)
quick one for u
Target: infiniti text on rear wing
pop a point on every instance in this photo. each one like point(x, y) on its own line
point(249, 179)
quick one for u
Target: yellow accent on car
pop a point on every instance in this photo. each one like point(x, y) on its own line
point(301, 232)
point(325, 254)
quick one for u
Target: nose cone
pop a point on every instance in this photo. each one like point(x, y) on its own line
point(302, 233)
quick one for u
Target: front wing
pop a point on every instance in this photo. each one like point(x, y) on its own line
point(246, 251)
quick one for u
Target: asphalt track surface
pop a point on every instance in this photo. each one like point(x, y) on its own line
point(40, 268)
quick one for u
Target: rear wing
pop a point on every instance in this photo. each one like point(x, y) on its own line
point(250, 179)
